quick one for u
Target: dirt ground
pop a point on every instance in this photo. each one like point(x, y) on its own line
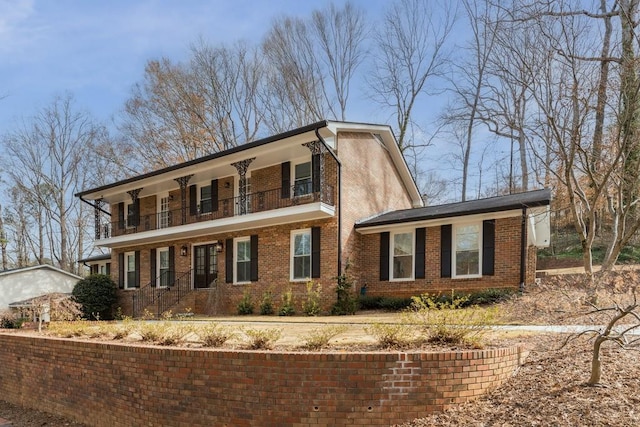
point(549, 389)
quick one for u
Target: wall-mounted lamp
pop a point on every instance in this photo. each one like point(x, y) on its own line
point(171, 197)
point(227, 184)
point(219, 247)
point(183, 251)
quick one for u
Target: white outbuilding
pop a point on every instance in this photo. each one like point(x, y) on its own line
point(24, 283)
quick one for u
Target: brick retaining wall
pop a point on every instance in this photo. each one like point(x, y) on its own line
point(112, 384)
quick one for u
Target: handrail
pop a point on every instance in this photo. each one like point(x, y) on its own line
point(258, 201)
point(170, 296)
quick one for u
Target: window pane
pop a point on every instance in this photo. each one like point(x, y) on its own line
point(302, 244)
point(402, 255)
point(205, 199)
point(467, 250)
point(164, 259)
point(244, 250)
point(302, 267)
point(131, 262)
point(243, 271)
point(303, 170)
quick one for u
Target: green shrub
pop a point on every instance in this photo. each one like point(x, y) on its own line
point(394, 304)
point(214, 335)
point(287, 308)
point(96, 294)
point(392, 335)
point(319, 338)
point(367, 302)
point(346, 302)
point(262, 338)
point(245, 306)
point(311, 306)
point(266, 305)
point(449, 321)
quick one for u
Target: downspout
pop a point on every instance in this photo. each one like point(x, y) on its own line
point(339, 198)
point(523, 248)
point(94, 206)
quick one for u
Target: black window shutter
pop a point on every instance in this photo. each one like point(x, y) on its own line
point(172, 265)
point(445, 250)
point(315, 172)
point(285, 171)
point(121, 215)
point(136, 213)
point(421, 234)
point(488, 246)
point(137, 255)
point(193, 200)
point(153, 269)
point(121, 270)
point(384, 255)
point(228, 261)
point(315, 252)
point(254, 257)
point(214, 195)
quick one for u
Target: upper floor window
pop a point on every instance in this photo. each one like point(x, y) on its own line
point(466, 254)
point(402, 250)
point(205, 199)
point(131, 214)
point(302, 183)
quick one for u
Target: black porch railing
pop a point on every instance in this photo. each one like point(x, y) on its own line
point(259, 201)
point(163, 298)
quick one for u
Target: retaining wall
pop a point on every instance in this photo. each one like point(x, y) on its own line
point(112, 384)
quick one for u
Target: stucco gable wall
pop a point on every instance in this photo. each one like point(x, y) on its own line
point(370, 185)
point(26, 284)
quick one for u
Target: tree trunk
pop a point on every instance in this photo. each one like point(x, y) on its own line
point(596, 366)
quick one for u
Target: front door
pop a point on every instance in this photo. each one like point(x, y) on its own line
point(205, 265)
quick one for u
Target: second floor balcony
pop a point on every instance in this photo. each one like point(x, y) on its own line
point(255, 209)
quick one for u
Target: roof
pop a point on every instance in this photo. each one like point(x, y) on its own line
point(99, 257)
point(384, 131)
point(492, 204)
point(219, 154)
point(38, 267)
point(55, 296)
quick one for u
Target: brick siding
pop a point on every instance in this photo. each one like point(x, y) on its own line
point(111, 384)
point(506, 274)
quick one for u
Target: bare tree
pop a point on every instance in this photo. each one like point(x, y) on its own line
point(48, 156)
point(468, 80)
point(412, 50)
point(3, 243)
point(340, 34)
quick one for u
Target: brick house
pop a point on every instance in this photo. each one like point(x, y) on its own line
point(313, 203)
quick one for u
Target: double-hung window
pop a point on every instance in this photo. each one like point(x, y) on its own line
point(302, 183)
point(163, 266)
point(301, 254)
point(131, 215)
point(130, 270)
point(242, 265)
point(205, 199)
point(466, 254)
point(402, 259)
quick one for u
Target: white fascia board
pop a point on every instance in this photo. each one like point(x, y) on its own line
point(390, 143)
point(306, 212)
point(461, 219)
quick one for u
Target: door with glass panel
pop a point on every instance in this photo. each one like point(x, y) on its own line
point(205, 265)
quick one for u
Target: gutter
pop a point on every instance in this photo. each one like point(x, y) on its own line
point(339, 198)
point(94, 206)
point(523, 248)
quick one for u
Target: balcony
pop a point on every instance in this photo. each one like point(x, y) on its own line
point(257, 209)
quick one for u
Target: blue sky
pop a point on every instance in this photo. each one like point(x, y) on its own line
point(97, 49)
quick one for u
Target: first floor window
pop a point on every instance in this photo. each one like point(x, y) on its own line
point(467, 250)
point(130, 270)
point(301, 254)
point(402, 259)
point(163, 266)
point(243, 260)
